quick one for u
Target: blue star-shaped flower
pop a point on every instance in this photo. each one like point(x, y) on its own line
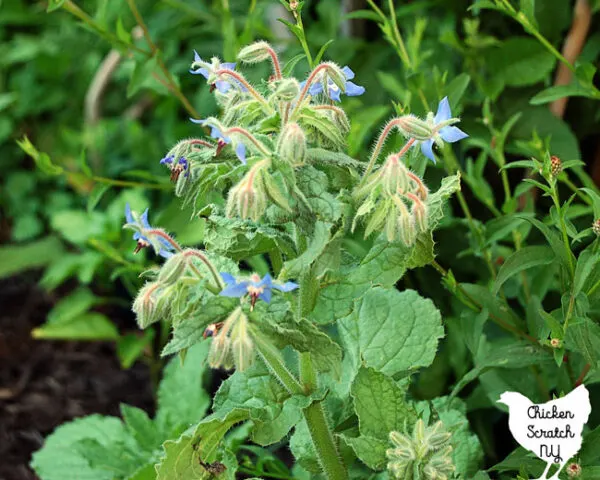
point(447, 133)
point(222, 86)
point(240, 148)
point(176, 167)
point(333, 91)
point(141, 227)
point(256, 287)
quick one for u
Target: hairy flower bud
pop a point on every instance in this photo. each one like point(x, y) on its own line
point(291, 145)
point(242, 345)
point(285, 90)
point(416, 128)
point(172, 269)
point(419, 212)
point(255, 52)
point(394, 178)
point(248, 199)
point(596, 227)
point(220, 353)
point(150, 304)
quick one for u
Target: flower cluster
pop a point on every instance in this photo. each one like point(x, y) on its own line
point(427, 454)
point(232, 343)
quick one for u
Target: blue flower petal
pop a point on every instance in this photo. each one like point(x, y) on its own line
point(200, 71)
point(240, 151)
point(266, 281)
point(144, 220)
point(235, 290)
point(443, 111)
point(228, 66)
point(348, 72)
point(167, 160)
point(197, 57)
point(222, 86)
point(165, 253)
point(128, 215)
point(427, 149)
point(265, 296)
point(353, 90)
point(227, 277)
point(315, 88)
point(452, 134)
point(334, 94)
point(286, 287)
point(199, 121)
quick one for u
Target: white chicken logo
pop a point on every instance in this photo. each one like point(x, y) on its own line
point(551, 430)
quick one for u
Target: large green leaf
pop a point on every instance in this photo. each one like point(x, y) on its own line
point(391, 331)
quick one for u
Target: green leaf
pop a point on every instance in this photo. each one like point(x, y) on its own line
point(322, 51)
point(96, 195)
point(369, 450)
point(393, 332)
point(42, 160)
point(189, 330)
point(145, 75)
point(288, 69)
point(270, 407)
point(520, 61)
point(182, 398)
point(131, 347)
point(181, 459)
point(380, 404)
point(560, 91)
point(583, 336)
point(304, 336)
point(54, 5)
point(522, 260)
point(88, 326)
point(70, 307)
point(318, 243)
point(141, 427)
point(60, 460)
point(586, 263)
point(467, 453)
point(18, 258)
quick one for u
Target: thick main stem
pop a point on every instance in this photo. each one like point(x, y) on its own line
point(318, 425)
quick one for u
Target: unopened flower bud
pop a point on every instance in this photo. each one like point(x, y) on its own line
point(555, 342)
point(242, 345)
point(400, 470)
point(574, 470)
point(149, 305)
point(436, 437)
point(248, 198)
point(336, 75)
point(286, 90)
point(400, 441)
point(172, 269)
point(291, 145)
point(416, 128)
point(596, 227)
point(255, 53)
point(220, 354)
point(394, 176)
point(419, 212)
point(276, 192)
point(555, 165)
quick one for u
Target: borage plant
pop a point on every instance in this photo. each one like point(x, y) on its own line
point(320, 340)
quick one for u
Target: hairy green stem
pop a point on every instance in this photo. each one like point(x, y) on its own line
point(318, 425)
point(275, 363)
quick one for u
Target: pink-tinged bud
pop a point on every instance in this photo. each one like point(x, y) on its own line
point(150, 304)
point(574, 470)
point(291, 145)
point(394, 178)
point(220, 353)
point(255, 53)
point(419, 212)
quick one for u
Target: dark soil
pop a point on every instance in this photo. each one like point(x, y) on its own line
point(44, 384)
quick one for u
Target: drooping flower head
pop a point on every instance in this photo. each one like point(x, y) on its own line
point(222, 140)
point(333, 91)
point(207, 70)
point(442, 126)
point(145, 234)
point(176, 166)
point(255, 286)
